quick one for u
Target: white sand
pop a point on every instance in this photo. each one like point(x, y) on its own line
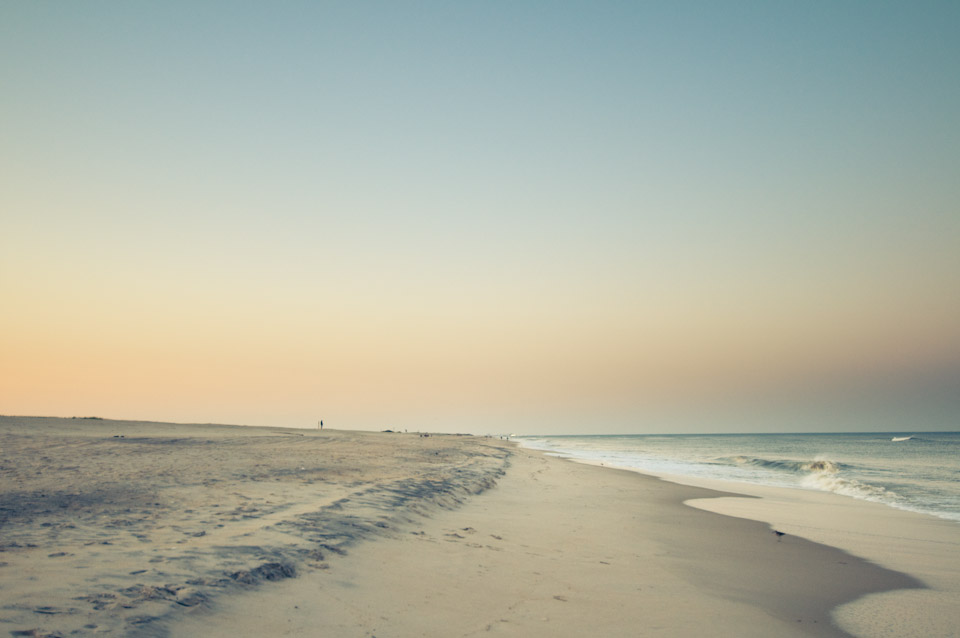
point(563, 549)
point(179, 530)
point(112, 527)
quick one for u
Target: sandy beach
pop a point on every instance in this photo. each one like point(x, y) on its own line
point(147, 529)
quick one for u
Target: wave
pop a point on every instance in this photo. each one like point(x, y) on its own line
point(821, 474)
point(818, 465)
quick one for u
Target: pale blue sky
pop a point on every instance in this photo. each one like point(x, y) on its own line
point(443, 214)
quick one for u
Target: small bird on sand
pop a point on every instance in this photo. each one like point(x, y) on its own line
point(779, 534)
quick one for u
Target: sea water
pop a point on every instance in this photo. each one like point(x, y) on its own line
point(918, 472)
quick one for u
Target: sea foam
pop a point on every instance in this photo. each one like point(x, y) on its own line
point(820, 474)
point(919, 473)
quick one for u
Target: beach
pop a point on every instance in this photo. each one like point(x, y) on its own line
point(146, 529)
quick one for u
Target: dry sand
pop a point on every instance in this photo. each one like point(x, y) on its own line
point(177, 530)
point(112, 528)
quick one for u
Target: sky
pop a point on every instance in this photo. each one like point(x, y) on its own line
point(532, 217)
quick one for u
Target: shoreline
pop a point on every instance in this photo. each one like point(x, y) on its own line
point(290, 532)
point(562, 548)
point(923, 546)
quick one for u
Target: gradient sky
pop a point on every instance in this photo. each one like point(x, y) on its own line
point(483, 216)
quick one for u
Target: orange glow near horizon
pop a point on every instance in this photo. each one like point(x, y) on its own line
point(377, 228)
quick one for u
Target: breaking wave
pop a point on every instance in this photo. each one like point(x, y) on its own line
point(920, 474)
point(820, 474)
point(818, 465)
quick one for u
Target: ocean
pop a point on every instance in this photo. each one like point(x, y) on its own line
point(919, 472)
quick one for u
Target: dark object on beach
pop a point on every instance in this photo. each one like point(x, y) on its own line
point(779, 534)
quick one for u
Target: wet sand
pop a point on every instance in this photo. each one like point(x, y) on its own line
point(180, 530)
point(921, 545)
